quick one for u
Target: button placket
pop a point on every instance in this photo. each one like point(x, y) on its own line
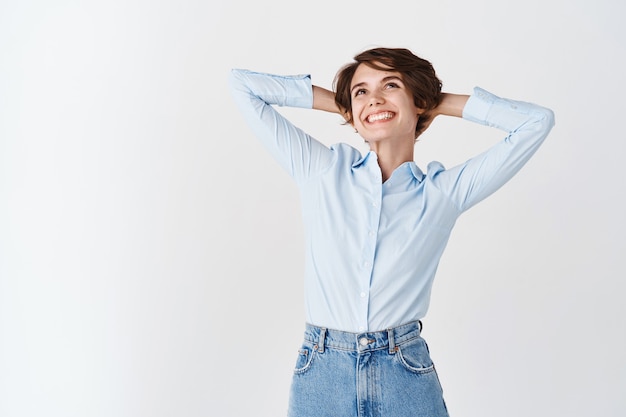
point(369, 244)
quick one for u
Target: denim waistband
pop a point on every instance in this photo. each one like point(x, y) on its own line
point(383, 339)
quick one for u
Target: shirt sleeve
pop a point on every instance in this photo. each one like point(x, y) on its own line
point(526, 124)
point(255, 94)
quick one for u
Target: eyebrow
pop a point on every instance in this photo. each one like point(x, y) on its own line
point(384, 80)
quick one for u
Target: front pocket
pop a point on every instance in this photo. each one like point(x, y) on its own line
point(414, 356)
point(305, 358)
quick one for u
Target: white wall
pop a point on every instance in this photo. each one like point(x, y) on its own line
point(151, 251)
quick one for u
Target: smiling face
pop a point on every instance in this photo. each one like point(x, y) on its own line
point(383, 108)
point(416, 74)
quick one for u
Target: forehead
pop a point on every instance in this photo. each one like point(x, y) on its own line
point(366, 74)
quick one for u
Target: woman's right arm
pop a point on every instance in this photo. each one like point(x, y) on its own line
point(324, 99)
point(256, 94)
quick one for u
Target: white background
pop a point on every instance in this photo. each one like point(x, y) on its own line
point(151, 252)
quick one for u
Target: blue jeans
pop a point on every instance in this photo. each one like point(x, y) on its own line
point(376, 374)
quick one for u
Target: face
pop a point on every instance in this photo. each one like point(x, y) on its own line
point(382, 106)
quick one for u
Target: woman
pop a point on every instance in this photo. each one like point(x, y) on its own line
point(375, 224)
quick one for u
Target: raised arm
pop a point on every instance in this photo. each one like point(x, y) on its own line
point(324, 99)
point(526, 125)
point(451, 105)
point(256, 94)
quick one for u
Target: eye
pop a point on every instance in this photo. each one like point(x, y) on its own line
point(359, 92)
point(392, 85)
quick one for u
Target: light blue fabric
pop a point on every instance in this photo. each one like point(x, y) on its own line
point(372, 248)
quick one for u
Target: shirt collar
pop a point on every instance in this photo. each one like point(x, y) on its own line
point(415, 170)
point(364, 158)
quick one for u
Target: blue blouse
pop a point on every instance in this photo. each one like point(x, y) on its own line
point(372, 248)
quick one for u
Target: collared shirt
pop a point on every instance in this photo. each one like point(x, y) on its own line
point(373, 247)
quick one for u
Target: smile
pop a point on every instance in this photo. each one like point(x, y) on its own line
point(385, 115)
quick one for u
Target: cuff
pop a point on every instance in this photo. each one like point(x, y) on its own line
point(477, 107)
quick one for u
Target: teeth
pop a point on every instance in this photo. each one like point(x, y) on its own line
point(380, 116)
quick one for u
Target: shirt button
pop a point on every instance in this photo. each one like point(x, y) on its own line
point(361, 328)
point(374, 204)
point(371, 234)
point(366, 264)
point(362, 295)
point(363, 341)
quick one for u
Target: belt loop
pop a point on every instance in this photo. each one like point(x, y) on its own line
point(322, 341)
point(392, 342)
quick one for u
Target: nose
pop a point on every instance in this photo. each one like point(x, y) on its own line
point(376, 98)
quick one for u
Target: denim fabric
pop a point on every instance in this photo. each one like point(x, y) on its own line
point(372, 374)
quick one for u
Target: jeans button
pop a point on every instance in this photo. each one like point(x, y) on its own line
point(363, 341)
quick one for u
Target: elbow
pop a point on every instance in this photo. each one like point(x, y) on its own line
point(545, 119)
point(238, 83)
point(549, 118)
point(235, 79)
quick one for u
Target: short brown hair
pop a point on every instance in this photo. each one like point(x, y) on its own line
point(418, 75)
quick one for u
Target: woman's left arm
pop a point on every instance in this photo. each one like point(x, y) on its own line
point(451, 105)
point(526, 125)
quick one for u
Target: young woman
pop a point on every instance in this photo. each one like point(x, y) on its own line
point(376, 225)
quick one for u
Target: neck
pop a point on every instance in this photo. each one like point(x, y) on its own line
point(390, 158)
